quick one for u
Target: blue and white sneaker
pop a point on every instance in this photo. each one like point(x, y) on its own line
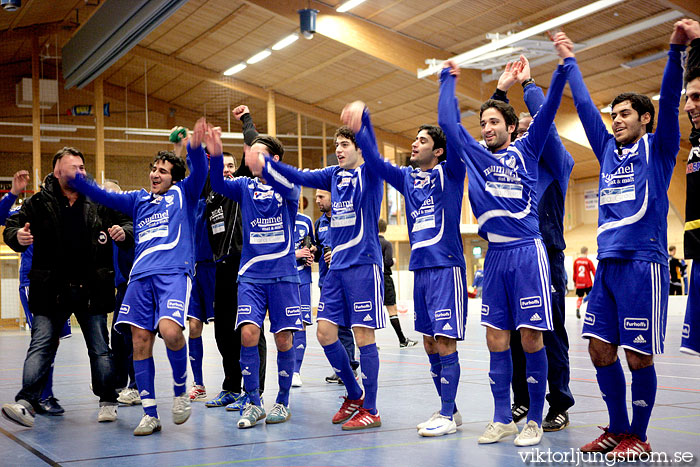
point(439, 426)
point(238, 404)
point(278, 414)
point(223, 399)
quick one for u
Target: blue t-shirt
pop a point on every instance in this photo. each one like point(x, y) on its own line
point(634, 178)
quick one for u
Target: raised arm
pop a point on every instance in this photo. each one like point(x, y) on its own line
point(194, 182)
point(19, 183)
point(122, 202)
point(279, 173)
point(242, 114)
point(229, 188)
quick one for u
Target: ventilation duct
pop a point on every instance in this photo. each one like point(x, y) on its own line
point(115, 28)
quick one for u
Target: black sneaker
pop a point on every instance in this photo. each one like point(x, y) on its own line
point(519, 412)
point(578, 314)
point(555, 421)
point(408, 343)
point(50, 406)
point(333, 379)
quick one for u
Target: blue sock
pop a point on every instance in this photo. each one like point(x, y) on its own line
point(339, 360)
point(436, 370)
point(250, 369)
point(536, 373)
point(500, 374)
point(449, 382)
point(196, 354)
point(369, 364)
point(285, 368)
point(145, 374)
point(48, 387)
point(611, 381)
point(178, 363)
point(299, 349)
point(643, 397)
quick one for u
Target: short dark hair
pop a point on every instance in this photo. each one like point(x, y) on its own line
point(439, 141)
point(273, 144)
point(345, 132)
point(178, 170)
point(671, 249)
point(67, 150)
point(691, 74)
point(506, 110)
point(640, 103)
point(382, 225)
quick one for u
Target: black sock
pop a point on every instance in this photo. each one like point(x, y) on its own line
point(396, 324)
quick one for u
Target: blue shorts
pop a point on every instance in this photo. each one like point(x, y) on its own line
point(440, 302)
point(517, 288)
point(202, 299)
point(305, 301)
point(24, 298)
point(627, 306)
point(353, 297)
point(149, 299)
point(281, 298)
point(690, 337)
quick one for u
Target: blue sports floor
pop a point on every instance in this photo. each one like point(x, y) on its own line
point(406, 397)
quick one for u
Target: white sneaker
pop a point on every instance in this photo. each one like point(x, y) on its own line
point(531, 434)
point(107, 413)
point(181, 409)
point(19, 413)
point(439, 426)
point(496, 431)
point(457, 417)
point(147, 426)
point(296, 380)
point(129, 396)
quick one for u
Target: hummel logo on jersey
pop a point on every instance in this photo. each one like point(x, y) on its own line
point(639, 340)
point(640, 403)
point(433, 375)
point(300, 346)
point(245, 372)
point(443, 380)
point(283, 374)
point(535, 317)
point(530, 302)
point(532, 380)
point(144, 393)
point(177, 314)
point(491, 381)
point(447, 327)
point(367, 318)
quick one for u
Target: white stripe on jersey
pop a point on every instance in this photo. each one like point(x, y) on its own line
point(352, 242)
point(438, 237)
point(504, 213)
point(267, 257)
point(278, 176)
point(153, 249)
point(642, 211)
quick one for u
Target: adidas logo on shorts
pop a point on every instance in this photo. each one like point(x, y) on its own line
point(535, 317)
point(367, 318)
point(300, 346)
point(298, 321)
point(433, 375)
point(639, 340)
point(177, 314)
point(245, 372)
point(447, 327)
point(532, 380)
point(283, 374)
point(144, 393)
point(640, 403)
point(444, 381)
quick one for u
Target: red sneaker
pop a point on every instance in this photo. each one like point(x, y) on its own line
point(629, 449)
point(363, 419)
point(346, 410)
point(603, 443)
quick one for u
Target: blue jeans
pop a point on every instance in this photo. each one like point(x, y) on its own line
point(42, 351)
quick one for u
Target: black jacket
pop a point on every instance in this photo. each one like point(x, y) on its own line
point(47, 276)
point(691, 236)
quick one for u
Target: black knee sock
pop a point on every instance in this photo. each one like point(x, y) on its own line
point(397, 328)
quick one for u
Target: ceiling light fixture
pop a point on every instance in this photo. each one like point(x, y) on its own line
point(235, 69)
point(645, 59)
point(290, 39)
point(258, 57)
point(349, 5)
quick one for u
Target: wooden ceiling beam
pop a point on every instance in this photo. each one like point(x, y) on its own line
point(253, 90)
point(315, 69)
point(690, 8)
point(222, 23)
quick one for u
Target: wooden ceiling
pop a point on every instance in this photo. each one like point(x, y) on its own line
point(370, 53)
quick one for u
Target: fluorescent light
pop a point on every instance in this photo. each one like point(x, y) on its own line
point(533, 31)
point(43, 139)
point(235, 69)
point(644, 60)
point(259, 56)
point(606, 109)
point(349, 5)
point(290, 39)
point(52, 127)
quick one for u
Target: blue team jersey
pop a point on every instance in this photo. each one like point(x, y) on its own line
point(323, 227)
point(5, 204)
point(433, 203)
point(202, 247)
point(634, 179)
point(356, 196)
point(502, 185)
point(163, 224)
point(25, 264)
point(268, 216)
point(302, 228)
